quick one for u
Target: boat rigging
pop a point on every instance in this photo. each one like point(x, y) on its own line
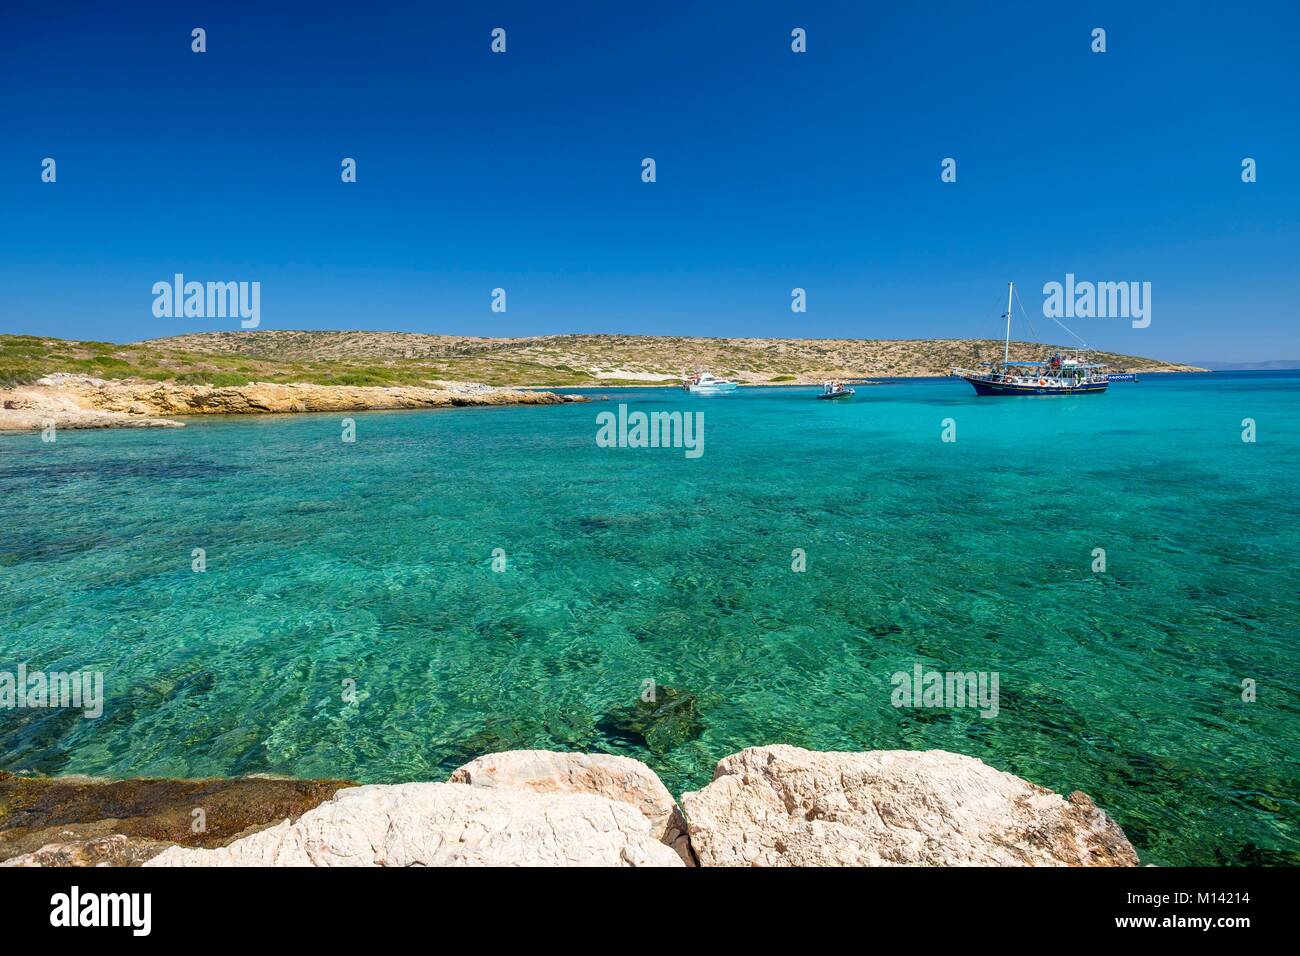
point(1065, 373)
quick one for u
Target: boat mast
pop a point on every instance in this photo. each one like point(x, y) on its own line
point(1006, 349)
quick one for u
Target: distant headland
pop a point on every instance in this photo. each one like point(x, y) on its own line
point(407, 358)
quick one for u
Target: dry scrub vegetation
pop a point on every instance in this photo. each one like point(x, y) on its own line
point(400, 358)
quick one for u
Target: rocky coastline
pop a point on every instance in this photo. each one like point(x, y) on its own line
point(766, 806)
point(78, 401)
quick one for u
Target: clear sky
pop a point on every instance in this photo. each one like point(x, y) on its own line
point(775, 169)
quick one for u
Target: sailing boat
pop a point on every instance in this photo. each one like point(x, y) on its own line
point(1067, 373)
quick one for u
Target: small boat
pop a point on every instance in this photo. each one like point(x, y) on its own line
point(1062, 374)
point(703, 383)
point(836, 390)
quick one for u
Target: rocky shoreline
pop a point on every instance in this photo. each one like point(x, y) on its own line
point(77, 401)
point(766, 806)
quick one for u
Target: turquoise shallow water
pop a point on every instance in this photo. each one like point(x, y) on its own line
point(373, 562)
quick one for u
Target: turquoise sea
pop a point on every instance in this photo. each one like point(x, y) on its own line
point(372, 563)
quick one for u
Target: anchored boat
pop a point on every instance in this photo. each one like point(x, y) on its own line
point(1062, 374)
point(703, 383)
point(836, 390)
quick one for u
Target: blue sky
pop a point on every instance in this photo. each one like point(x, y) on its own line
point(775, 170)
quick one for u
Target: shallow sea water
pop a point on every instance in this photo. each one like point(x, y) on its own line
point(372, 562)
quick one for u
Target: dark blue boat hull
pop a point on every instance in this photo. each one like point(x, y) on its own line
point(983, 387)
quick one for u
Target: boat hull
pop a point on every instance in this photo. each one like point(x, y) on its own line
point(830, 398)
point(985, 387)
point(711, 389)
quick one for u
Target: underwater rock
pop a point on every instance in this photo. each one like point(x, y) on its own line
point(668, 721)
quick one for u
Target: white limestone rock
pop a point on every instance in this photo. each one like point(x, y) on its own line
point(444, 824)
point(607, 775)
point(784, 806)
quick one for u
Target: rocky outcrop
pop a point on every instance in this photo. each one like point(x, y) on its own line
point(73, 401)
point(606, 775)
point(39, 406)
point(69, 818)
point(115, 850)
point(766, 806)
point(783, 806)
point(447, 824)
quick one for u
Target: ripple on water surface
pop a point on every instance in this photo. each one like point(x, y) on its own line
point(372, 562)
